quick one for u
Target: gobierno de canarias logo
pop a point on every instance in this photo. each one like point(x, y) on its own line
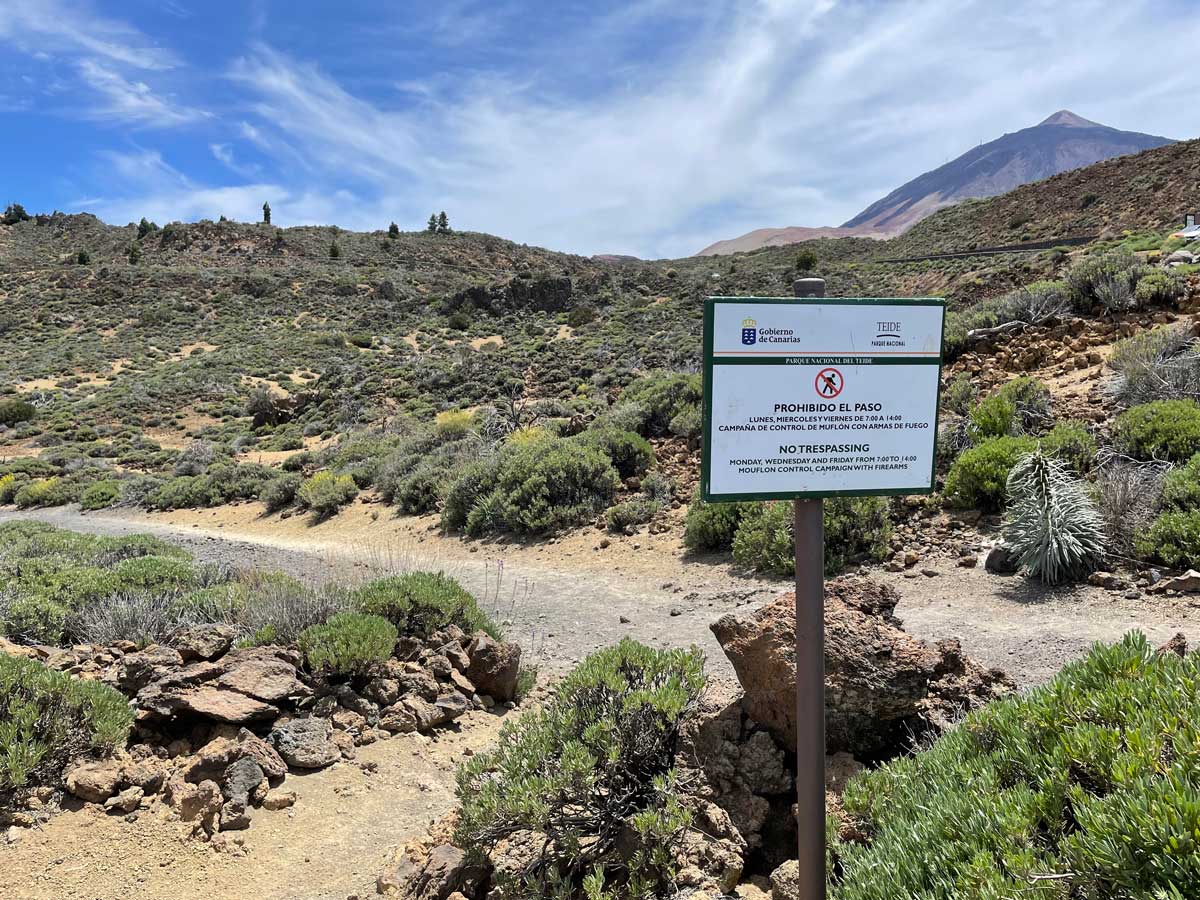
point(749, 332)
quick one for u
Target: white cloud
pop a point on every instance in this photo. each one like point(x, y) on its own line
point(131, 101)
point(44, 25)
point(142, 183)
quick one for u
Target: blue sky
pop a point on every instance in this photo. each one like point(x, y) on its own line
point(650, 127)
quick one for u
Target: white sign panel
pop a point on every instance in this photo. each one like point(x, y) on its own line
point(817, 398)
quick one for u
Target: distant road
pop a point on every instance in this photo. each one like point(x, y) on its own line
point(1031, 247)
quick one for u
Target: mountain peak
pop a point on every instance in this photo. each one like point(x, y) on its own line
point(1068, 118)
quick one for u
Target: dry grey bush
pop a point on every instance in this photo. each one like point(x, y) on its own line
point(1127, 494)
point(142, 617)
point(287, 607)
point(1163, 364)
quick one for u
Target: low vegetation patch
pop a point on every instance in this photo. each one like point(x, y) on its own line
point(348, 644)
point(1082, 788)
point(421, 603)
point(48, 719)
point(1163, 429)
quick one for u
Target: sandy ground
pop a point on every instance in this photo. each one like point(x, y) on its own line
point(564, 599)
point(330, 846)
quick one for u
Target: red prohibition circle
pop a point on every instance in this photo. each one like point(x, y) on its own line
point(829, 383)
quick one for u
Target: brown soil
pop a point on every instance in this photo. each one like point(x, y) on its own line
point(329, 846)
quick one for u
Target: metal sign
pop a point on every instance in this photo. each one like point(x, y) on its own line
point(820, 397)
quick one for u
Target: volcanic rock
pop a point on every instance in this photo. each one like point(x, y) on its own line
point(494, 667)
point(877, 678)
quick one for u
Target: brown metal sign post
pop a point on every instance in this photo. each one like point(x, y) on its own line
point(809, 530)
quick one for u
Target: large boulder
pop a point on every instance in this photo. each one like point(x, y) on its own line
point(494, 667)
point(882, 686)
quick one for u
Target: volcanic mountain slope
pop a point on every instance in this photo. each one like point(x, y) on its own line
point(1061, 143)
point(1152, 190)
point(1058, 144)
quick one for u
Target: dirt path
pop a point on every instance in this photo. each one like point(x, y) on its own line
point(568, 598)
point(330, 846)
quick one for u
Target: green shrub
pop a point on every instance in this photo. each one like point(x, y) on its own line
point(100, 494)
point(468, 487)
point(763, 540)
point(47, 719)
point(992, 417)
point(33, 619)
point(326, 493)
point(9, 486)
point(543, 484)
point(1021, 406)
point(632, 512)
point(1084, 788)
point(421, 603)
point(1181, 486)
point(14, 412)
point(959, 395)
point(280, 493)
point(1173, 538)
point(53, 491)
point(687, 422)
point(856, 528)
point(631, 454)
point(979, 477)
point(453, 423)
point(1072, 443)
point(348, 644)
point(1053, 527)
point(1109, 280)
point(1157, 288)
point(1163, 429)
point(710, 527)
point(612, 732)
point(221, 483)
point(662, 396)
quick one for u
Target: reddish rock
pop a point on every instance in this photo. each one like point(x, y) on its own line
point(877, 678)
point(224, 706)
point(494, 666)
point(271, 680)
point(204, 641)
point(95, 781)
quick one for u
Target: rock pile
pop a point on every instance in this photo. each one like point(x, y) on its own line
point(217, 728)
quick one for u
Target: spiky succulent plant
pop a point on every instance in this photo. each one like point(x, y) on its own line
point(1052, 524)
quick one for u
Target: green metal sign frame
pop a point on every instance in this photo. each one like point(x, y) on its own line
point(710, 305)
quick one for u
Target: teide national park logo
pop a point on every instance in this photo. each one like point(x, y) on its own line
point(749, 332)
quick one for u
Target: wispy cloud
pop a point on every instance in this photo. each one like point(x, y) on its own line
point(131, 102)
point(64, 25)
